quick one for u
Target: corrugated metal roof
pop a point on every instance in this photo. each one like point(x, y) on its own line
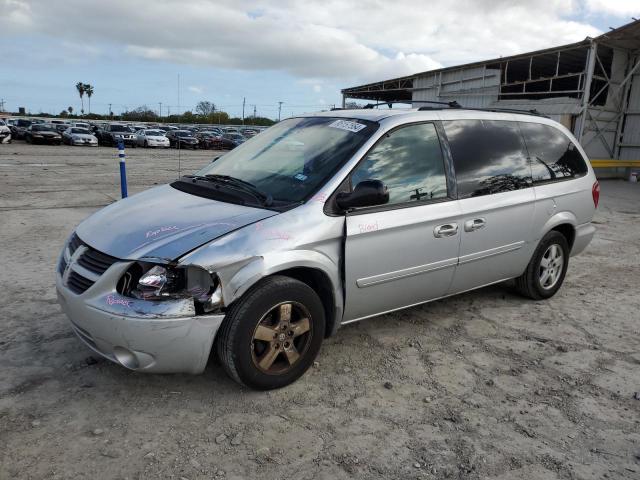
point(624, 36)
point(547, 106)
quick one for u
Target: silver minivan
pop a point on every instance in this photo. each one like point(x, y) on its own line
point(320, 221)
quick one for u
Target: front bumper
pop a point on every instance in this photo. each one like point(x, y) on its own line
point(85, 142)
point(147, 336)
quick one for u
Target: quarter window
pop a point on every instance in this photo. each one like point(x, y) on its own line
point(553, 155)
point(489, 156)
point(409, 162)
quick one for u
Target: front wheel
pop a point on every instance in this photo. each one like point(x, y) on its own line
point(546, 270)
point(273, 334)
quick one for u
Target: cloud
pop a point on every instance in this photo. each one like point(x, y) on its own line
point(195, 89)
point(330, 39)
point(617, 8)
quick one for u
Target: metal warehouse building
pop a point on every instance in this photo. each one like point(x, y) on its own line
point(592, 87)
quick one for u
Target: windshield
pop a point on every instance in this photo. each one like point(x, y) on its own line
point(41, 128)
point(292, 159)
point(153, 133)
point(118, 128)
point(82, 131)
point(184, 133)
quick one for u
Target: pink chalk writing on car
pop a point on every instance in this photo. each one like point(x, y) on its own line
point(368, 227)
point(113, 300)
point(153, 233)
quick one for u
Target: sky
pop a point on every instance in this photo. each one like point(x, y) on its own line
point(301, 53)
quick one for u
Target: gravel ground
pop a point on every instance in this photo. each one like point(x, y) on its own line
point(483, 385)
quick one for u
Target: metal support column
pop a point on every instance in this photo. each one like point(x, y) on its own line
point(591, 62)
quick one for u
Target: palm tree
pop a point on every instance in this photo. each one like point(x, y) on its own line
point(88, 89)
point(80, 88)
point(70, 109)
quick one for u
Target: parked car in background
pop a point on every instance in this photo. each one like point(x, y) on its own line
point(115, 133)
point(19, 128)
point(61, 128)
point(249, 133)
point(81, 125)
point(215, 141)
point(152, 138)
point(42, 133)
point(182, 139)
point(79, 136)
point(236, 138)
point(5, 132)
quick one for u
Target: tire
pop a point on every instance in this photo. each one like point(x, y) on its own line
point(530, 283)
point(146, 145)
point(260, 310)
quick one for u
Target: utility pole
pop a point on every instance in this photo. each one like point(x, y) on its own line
point(254, 111)
point(160, 114)
point(279, 109)
point(1, 104)
point(243, 101)
point(110, 112)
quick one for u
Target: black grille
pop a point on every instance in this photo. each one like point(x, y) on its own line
point(77, 283)
point(96, 261)
point(62, 265)
point(74, 243)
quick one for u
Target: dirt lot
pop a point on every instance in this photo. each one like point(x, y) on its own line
point(484, 385)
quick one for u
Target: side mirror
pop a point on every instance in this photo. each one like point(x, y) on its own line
point(367, 193)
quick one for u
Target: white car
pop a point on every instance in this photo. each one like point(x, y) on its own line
point(152, 138)
point(81, 125)
point(79, 136)
point(5, 132)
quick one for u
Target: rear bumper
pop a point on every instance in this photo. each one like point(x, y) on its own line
point(155, 337)
point(584, 234)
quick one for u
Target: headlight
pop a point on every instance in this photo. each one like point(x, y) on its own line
point(162, 282)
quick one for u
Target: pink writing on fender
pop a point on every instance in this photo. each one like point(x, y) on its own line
point(272, 234)
point(368, 227)
point(153, 233)
point(112, 300)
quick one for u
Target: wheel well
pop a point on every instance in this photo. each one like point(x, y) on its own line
point(568, 231)
point(320, 283)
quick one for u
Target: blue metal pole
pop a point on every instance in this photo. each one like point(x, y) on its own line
point(123, 171)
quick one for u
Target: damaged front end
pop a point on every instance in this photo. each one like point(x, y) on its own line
point(144, 316)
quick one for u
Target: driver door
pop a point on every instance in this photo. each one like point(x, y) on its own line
point(404, 252)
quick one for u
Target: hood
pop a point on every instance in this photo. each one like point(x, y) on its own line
point(46, 133)
point(157, 137)
point(163, 223)
point(83, 136)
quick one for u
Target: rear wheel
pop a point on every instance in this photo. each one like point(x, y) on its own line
point(546, 270)
point(273, 334)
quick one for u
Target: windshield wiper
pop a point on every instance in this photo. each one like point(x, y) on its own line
point(265, 198)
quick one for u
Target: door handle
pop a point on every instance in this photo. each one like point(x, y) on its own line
point(475, 224)
point(446, 230)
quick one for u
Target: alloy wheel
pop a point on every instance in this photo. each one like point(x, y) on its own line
point(551, 265)
point(281, 338)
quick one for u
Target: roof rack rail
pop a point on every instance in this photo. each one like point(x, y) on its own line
point(532, 111)
point(452, 104)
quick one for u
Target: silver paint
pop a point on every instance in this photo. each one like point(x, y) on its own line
point(392, 259)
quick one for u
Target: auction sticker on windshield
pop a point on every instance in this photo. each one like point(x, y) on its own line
point(348, 125)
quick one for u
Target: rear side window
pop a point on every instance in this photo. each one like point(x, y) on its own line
point(489, 156)
point(409, 162)
point(553, 155)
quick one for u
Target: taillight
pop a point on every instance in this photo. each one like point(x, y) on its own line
point(595, 193)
